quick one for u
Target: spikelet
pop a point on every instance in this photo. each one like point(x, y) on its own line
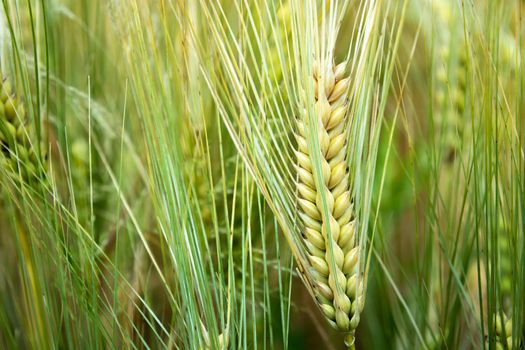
point(18, 157)
point(334, 275)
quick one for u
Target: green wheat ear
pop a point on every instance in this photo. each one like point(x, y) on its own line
point(451, 83)
point(19, 157)
point(339, 288)
point(503, 322)
point(503, 330)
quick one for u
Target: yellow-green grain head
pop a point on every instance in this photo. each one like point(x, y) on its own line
point(450, 78)
point(329, 236)
point(18, 152)
point(503, 331)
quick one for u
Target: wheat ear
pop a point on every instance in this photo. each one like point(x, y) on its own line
point(502, 322)
point(335, 275)
point(503, 330)
point(19, 157)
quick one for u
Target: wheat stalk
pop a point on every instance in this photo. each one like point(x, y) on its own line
point(334, 257)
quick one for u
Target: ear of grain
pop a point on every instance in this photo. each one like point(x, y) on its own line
point(338, 286)
point(451, 83)
point(19, 157)
point(503, 331)
point(477, 286)
point(503, 317)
